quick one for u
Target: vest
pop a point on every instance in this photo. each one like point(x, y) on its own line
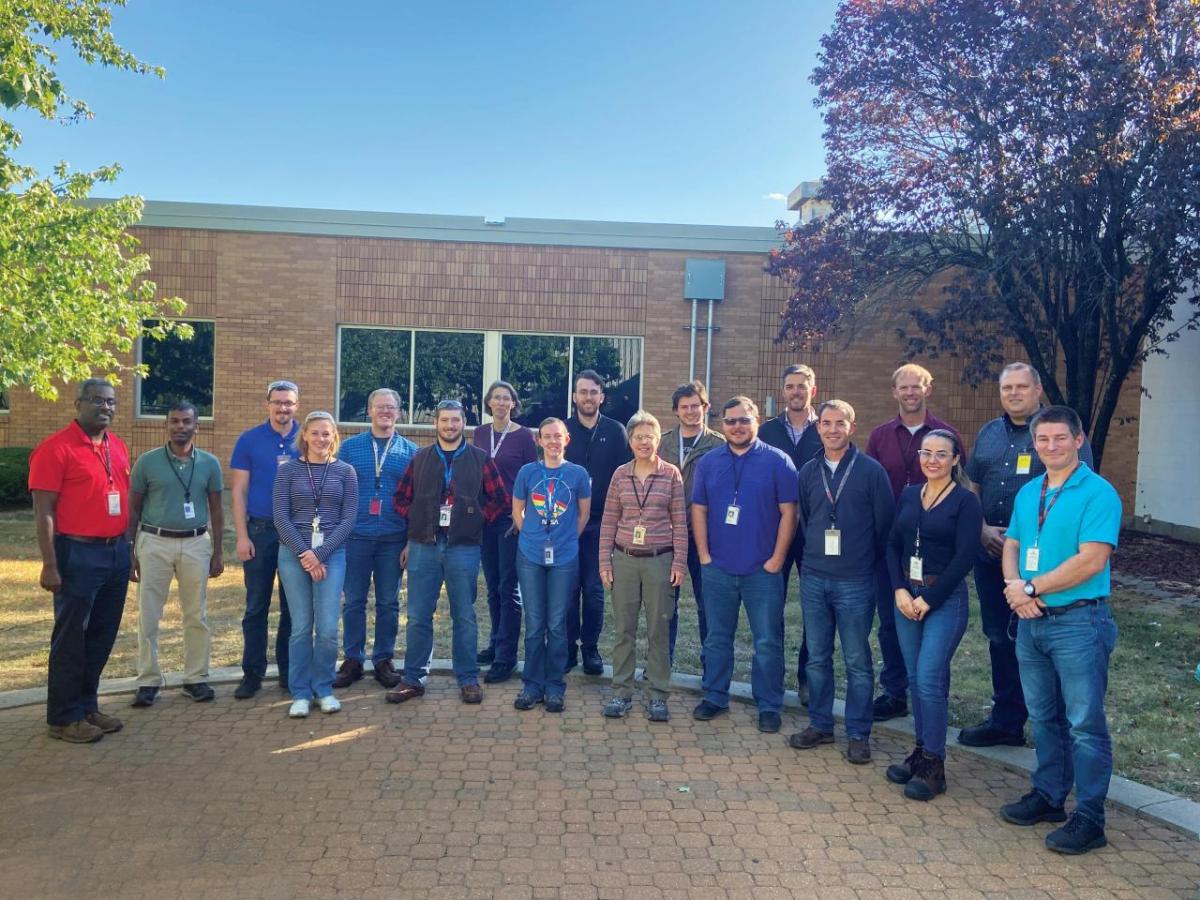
point(466, 519)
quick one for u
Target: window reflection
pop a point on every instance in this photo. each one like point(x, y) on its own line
point(449, 366)
point(372, 358)
point(537, 366)
point(618, 360)
point(178, 370)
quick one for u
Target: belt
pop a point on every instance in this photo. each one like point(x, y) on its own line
point(87, 539)
point(927, 582)
point(259, 520)
point(166, 532)
point(1059, 610)
point(644, 554)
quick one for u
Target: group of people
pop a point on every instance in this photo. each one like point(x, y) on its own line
point(562, 514)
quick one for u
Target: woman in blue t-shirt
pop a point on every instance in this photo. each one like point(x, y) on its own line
point(551, 503)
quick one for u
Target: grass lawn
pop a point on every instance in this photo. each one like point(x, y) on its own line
point(1153, 700)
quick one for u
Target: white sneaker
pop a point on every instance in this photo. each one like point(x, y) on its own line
point(298, 709)
point(330, 704)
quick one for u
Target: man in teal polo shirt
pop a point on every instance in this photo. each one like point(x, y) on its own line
point(1056, 555)
point(174, 498)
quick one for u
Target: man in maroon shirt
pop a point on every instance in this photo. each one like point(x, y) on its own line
point(79, 477)
point(894, 445)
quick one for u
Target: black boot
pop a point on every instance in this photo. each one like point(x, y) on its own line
point(902, 773)
point(929, 779)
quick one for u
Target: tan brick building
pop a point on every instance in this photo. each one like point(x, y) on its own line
point(310, 294)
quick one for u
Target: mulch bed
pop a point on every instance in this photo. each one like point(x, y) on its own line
point(1174, 565)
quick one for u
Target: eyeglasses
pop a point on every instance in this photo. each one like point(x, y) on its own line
point(448, 404)
point(385, 407)
point(939, 455)
point(283, 404)
point(282, 386)
point(737, 420)
point(109, 402)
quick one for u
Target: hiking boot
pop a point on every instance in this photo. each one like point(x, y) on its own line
point(106, 723)
point(498, 673)
point(902, 773)
point(592, 663)
point(617, 707)
point(247, 687)
point(769, 722)
point(349, 672)
point(988, 734)
point(705, 711)
point(78, 732)
point(527, 700)
point(471, 693)
point(385, 673)
point(888, 707)
point(658, 711)
point(1031, 809)
point(1078, 836)
point(808, 738)
point(486, 657)
point(555, 703)
point(929, 780)
point(144, 697)
point(858, 751)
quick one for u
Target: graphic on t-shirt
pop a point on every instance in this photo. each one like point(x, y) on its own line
point(551, 498)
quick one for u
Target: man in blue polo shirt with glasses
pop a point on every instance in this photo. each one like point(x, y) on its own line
point(1056, 556)
point(257, 456)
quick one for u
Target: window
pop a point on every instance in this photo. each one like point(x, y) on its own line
point(538, 366)
point(3, 401)
point(448, 366)
point(178, 370)
point(372, 358)
point(618, 361)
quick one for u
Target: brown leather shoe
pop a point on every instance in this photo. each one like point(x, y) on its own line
point(386, 674)
point(472, 693)
point(349, 672)
point(78, 732)
point(106, 723)
point(405, 692)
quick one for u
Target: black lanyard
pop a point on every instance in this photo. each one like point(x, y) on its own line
point(187, 488)
point(921, 512)
point(1043, 508)
point(106, 459)
point(641, 500)
point(737, 471)
point(829, 494)
point(316, 491)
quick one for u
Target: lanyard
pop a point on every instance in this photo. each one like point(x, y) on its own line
point(587, 453)
point(641, 499)
point(921, 512)
point(106, 459)
point(187, 488)
point(737, 470)
point(448, 462)
point(829, 494)
point(1043, 508)
point(496, 445)
point(316, 491)
point(381, 460)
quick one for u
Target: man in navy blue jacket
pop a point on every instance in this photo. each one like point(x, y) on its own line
point(846, 510)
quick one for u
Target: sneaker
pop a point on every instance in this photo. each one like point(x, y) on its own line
point(497, 674)
point(486, 657)
point(902, 773)
point(1031, 809)
point(658, 711)
point(298, 709)
point(888, 707)
point(705, 711)
point(349, 672)
point(1078, 836)
point(106, 723)
point(78, 732)
point(527, 700)
point(769, 722)
point(555, 704)
point(330, 704)
point(617, 707)
point(808, 738)
point(929, 779)
point(247, 687)
point(858, 751)
point(385, 673)
point(200, 691)
point(144, 697)
point(592, 663)
point(988, 734)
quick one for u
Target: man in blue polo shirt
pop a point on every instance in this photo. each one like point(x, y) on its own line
point(743, 521)
point(257, 456)
point(1057, 548)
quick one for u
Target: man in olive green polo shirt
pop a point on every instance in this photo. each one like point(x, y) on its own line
point(175, 528)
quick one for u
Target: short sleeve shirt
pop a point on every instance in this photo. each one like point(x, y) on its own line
point(83, 474)
point(167, 482)
point(551, 509)
point(261, 450)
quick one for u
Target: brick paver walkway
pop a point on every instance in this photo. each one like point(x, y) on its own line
point(436, 799)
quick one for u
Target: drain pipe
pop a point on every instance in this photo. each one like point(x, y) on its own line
point(692, 342)
point(711, 330)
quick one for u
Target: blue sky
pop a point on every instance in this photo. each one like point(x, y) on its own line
point(641, 111)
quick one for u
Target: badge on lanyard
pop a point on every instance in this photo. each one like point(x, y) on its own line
point(1024, 462)
point(1031, 559)
point(833, 542)
point(318, 538)
point(376, 507)
point(114, 503)
point(189, 509)
point(548, 556)
point(281, 459)
point(916, 569)
point(731, 514)
point(444, 515)
point(639, 535)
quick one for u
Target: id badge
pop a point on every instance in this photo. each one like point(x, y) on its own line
point(376, 507)
point(444, 515)
point(281, 459)
point(639, 535)
point(833, 542)
point(1024, 462)
point(318, 538)
point(548, 555)
point(731, 514)
point(916, 569)
point(189, 509)
point(114, 503)
point(1031, 559)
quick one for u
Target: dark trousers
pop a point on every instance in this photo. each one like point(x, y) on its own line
point(585, 615)
point(87, 617)
point(499, 559)
point(259, 576)
point(693, 564)
point(795, 558)
point(1008, 700)
point(893, 675)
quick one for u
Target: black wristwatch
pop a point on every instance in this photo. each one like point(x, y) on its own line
point(1030, 590)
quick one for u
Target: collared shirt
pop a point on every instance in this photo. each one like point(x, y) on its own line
point(261, 450)
point(600, 450)
point(778, 432)
point(895, 448)
point(166, 482)
point(762, 478)
point(494, 497)
point(994, 461)
point(668, 450)
point(83, 474)
point(655, 504)
point(1089, 511)
point(393, 458)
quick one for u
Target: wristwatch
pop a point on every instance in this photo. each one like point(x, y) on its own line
point(1030, 590)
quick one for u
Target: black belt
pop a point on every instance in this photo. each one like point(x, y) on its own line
point(644, 554)
point(166, 532)
point(259, 520)
point(927, 582)
point(86, 539)
point(1059, 610)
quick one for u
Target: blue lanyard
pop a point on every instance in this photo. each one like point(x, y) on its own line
point(448, 462)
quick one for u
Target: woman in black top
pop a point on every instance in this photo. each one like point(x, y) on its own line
point(934, 541)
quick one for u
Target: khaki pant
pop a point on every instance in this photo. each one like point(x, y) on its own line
point(638, 581)
point(185, 559)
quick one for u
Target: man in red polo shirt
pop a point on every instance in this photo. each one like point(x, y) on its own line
point(79, 478)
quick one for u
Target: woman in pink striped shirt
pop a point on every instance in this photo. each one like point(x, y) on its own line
point(643, 558)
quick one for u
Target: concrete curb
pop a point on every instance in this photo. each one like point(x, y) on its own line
point(1144, 802)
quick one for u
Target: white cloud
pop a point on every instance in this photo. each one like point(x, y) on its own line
point(775, 195)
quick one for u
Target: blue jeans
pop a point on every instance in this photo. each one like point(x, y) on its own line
point(366, 558)
point(87, 617)
point(761, 592)
point(547, 592)
point(848, 608)
point(1064, 672)
point(314, 606)
point(796, 559)
point(585, 615)
point(258, 574)
point(928, 647)
point(429, 565)
point(499, 558)
point(1008, 701)
point(893, 669)
point(693, 564)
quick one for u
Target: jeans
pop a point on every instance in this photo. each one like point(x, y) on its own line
point(642, 582)
point(693, 564)
point(928, 647)
point(795, 559)
point(314, 607)
point(893, 670)
point(1064, 671)
point(368, 558)
point(87, 617)
point(762, 594)
point(258, 573)
point(547, 591)
point(585, 615)
point(847, 607)
point(1008, 700)
point(429, 565)
point(499, 558)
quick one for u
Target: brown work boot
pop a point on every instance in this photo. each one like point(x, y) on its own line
point(405, 692)
point(472, 693)
point(351, 670)
point(106, 723)
point(858, 751)
point(386, 674)
point(810, 737)
point(78, 732)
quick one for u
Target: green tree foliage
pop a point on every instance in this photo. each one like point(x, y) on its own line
point(372, 358)
point(72, 295)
